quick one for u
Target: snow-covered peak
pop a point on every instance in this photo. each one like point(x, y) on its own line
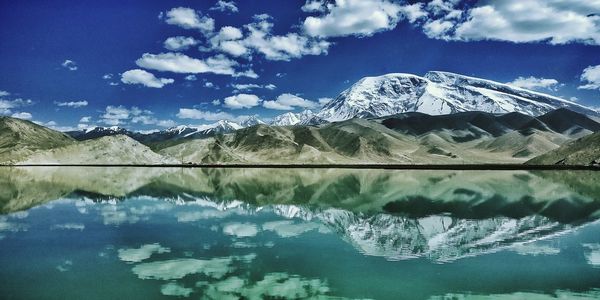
point(251, 121)
point(438, 93)
point(181, 130)
point(112, 129)
point(290, 118)
point(286, 119)
point(221, 126)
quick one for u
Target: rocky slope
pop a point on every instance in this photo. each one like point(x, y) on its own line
point(583, 151)
point(20, 138)
point(119, 149)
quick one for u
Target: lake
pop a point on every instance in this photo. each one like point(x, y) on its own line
point(157, 233)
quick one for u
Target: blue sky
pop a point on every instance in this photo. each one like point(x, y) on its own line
point(145, 64)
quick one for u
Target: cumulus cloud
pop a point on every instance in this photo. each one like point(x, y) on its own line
point(289, 102)
point(196, 114)
point(139, 76)
point(189, 19)
point(114, 115)
point(225, 6)
point(554, 21)
point(4, 93)
point(70, 65)
point(73, 104)
point(179, 43)
point(533, 83)
point(22, 115)
point(324, 100)
point(281, 47)
point(181, 63)
point(191, 78)
point(241, 101)
point(351, 17)
point(119, 115)
point(228, 40)
point(591, 78)
point(6, 106)
point(313, 6)
point(85, 119)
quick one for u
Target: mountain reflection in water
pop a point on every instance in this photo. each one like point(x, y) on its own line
point(247, 233)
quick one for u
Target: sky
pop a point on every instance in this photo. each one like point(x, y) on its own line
point(149, 64)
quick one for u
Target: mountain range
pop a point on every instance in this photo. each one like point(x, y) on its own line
point(395, 118)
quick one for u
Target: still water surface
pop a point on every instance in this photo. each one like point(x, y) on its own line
point(135, 233)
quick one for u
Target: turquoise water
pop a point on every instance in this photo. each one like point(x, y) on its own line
point(126, 233)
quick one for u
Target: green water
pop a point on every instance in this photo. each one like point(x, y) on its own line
point(138, 233)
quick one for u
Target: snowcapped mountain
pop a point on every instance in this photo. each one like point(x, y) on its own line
point(251, 121)
point(96, 132)
point(286, 119)
point(305, 117)
point(222, 126)
point(438, 93)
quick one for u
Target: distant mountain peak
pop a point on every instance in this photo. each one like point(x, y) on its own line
point(291, 119)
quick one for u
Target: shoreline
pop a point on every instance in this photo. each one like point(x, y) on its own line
point(490, 167)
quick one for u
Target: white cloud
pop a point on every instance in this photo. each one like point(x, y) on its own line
point(4, 93)
point(281, 47)
point(166, 123)
point(259, 39)
point(115, 115)
point(85, 119)
point(139, 76)
point(251, 86)
point(74, 104)
point(119, 115)
point(191, 78)
point(552, 21)
point(242, 101)
point(534, 83)
point(324, 100)
point(209, 84)
point(69, 64)
point(223, 6)
point(178, 43)
point(289, 102)
point(196, 114)
point(6, 106)
point(181, 63)
point(591, 78)
point(190, 19)
point(313, 6)
point(228, 41)
point(413, 12)
point(22, 115)
point(107, 76)
point(437, 28)
point(216, 102)
point(352, 17)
